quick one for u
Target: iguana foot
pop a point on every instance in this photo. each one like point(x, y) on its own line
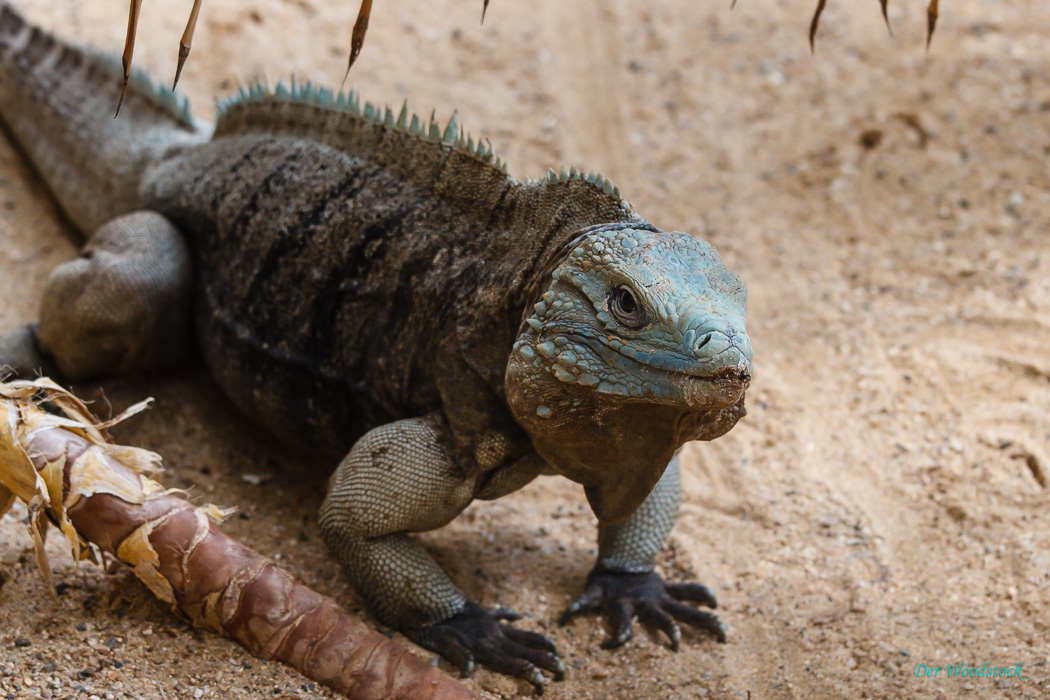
point(622, 596)
point(476, 635)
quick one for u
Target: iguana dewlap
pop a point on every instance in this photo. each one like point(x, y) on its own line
point(378, 289)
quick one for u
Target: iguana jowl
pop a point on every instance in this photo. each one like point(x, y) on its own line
point(377, 288)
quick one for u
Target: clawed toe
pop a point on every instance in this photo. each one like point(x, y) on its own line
point(476, 636)
point(624, 596)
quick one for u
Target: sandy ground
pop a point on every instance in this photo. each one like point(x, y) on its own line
point(883, 505)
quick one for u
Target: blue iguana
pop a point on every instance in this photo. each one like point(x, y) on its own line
point(377, 290)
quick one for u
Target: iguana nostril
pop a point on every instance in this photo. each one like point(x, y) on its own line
point(715, 342)
point(701, 343)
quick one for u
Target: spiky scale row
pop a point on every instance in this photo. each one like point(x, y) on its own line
point(604, 184)
point(452, 136)
point(404, 121)
point(142, 84)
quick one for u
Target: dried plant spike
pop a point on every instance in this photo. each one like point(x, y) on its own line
point(357, 39)
point(931, 22)
point(886, 16)
point(98, 492)
point(484, 9)
point(187, 39)
point(129, 49)
point(815, 23)
point(732, 5)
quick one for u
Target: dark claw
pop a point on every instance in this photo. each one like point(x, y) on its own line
point(446, 642)
point(591, 599)
point(530, 639)
point(694, 592)
point(544, 659)
point(506, 614)
point(510, 666)
point(620, 612)
point(475, 635)
point(653, 615)
point(621, 596)
point(697, 618)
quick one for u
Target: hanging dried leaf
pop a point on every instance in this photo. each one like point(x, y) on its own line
point(364, 14)
point(357, 39)
point(931, 22)
point(815, 23)
point(129, 49)
point(186, 41)
point(885, 15)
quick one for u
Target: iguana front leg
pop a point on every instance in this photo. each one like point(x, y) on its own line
point(624, 583)
point(401, 478)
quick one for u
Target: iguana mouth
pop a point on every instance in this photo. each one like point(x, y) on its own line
point(682, 381)
point(731, 375)
point(738, 373)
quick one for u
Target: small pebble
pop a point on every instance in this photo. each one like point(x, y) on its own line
point(22, 642)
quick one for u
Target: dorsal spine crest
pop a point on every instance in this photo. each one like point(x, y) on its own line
point(404, 121)
point(349, 102)
point(140, 83)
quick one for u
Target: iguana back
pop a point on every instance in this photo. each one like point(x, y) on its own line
point(341, 251)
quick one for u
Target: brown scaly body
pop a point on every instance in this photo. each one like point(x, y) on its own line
point(348, 268)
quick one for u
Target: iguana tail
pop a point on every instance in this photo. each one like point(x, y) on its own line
point(57, 103)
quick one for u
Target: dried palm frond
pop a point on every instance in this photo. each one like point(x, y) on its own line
point(65, 469)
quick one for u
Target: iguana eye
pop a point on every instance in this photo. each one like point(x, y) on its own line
point(626, 309)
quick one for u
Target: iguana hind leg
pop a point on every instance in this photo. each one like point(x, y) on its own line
point(122, 307)
point(401, 478)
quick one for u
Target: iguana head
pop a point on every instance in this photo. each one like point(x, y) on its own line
point(636, 346)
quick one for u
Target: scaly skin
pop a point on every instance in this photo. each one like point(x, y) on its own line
point(370, 287)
